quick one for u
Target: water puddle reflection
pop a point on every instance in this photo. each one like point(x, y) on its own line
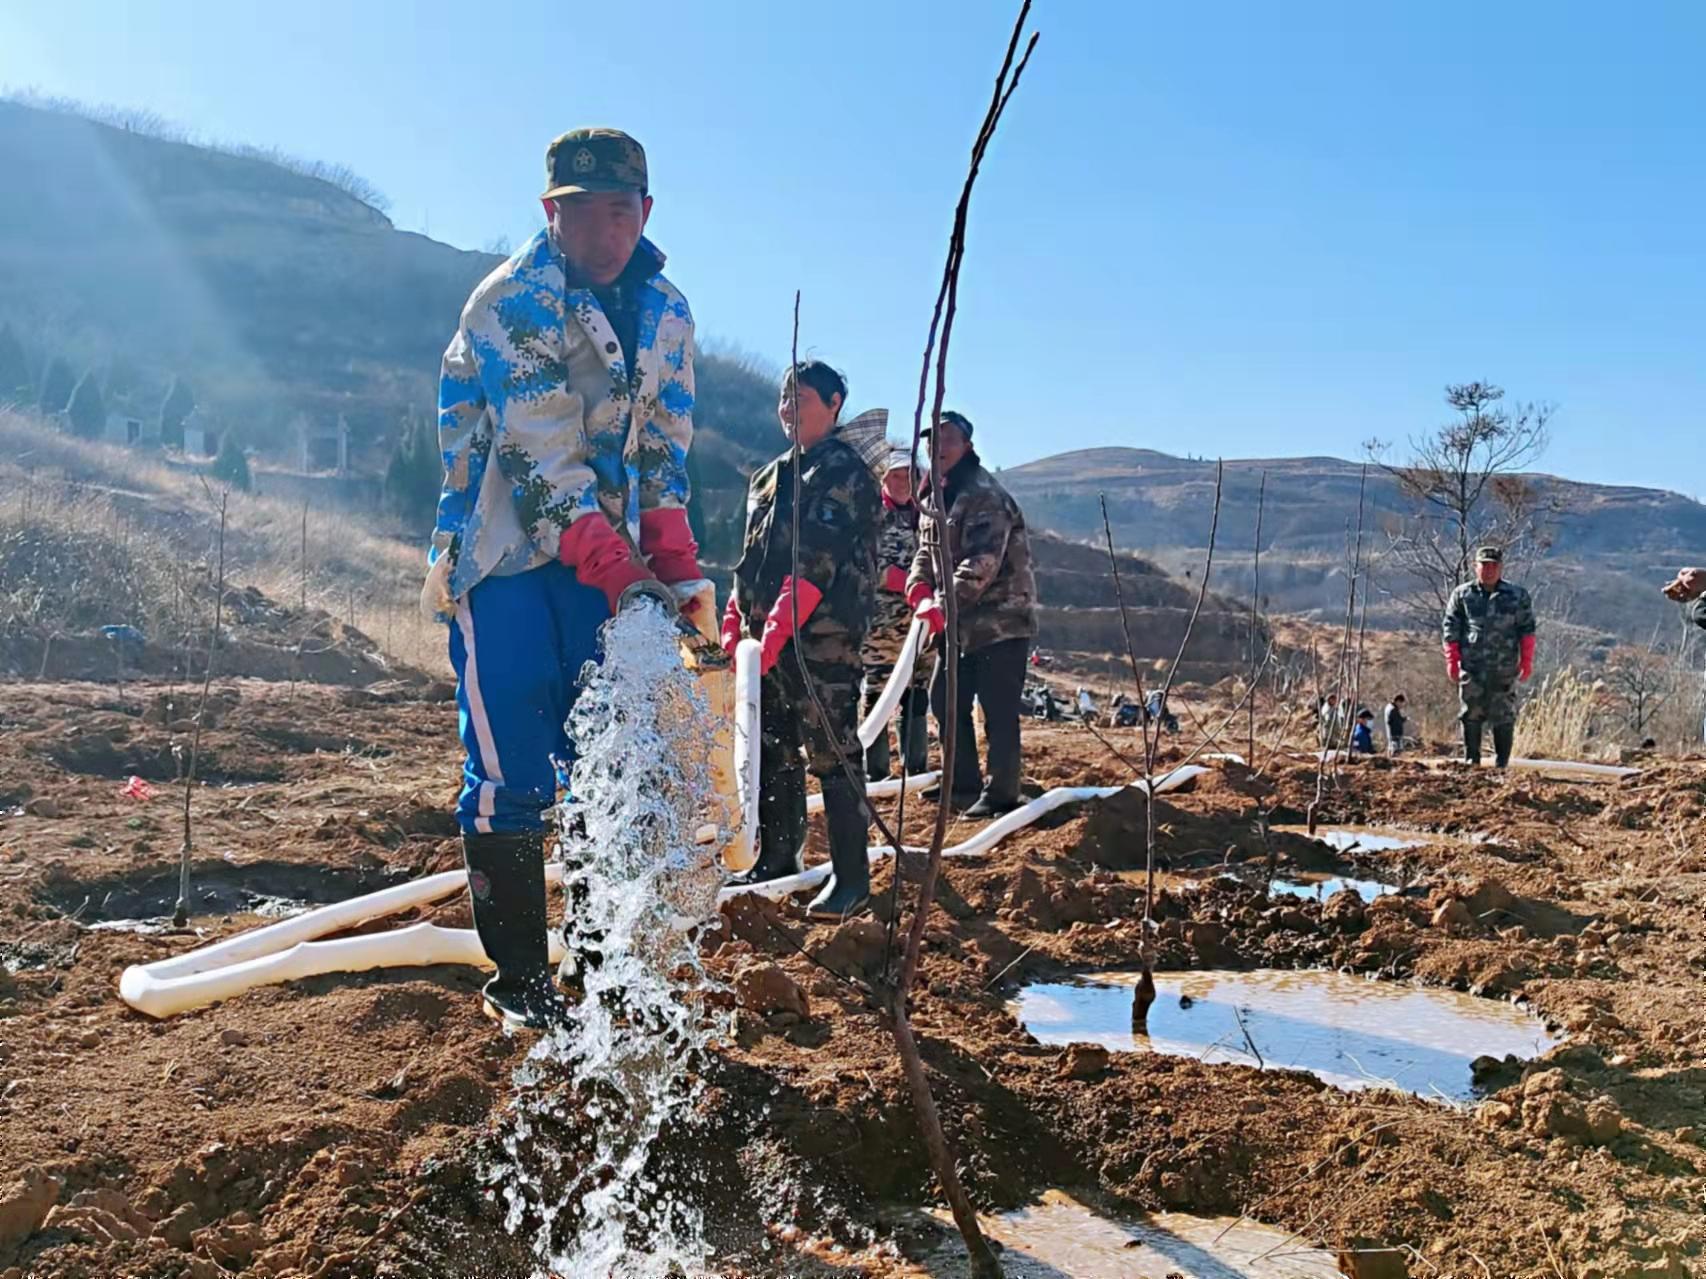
point(1321, 887)
point(1362, 839)
point(1349, 1031)
point(1063, 1238)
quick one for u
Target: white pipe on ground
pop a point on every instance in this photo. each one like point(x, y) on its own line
point(244, 952)
point(888, 788)
point(417, 945)
point(981, 842)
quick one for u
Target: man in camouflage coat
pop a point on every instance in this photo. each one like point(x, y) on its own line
point(1488, 633)
point(997, 595)
point(821, 615)
point(897, 543)
point(565, 416)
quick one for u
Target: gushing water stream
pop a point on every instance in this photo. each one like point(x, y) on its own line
point(593, 1097)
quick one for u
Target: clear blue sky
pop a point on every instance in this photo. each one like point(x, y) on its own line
point(1240, 229)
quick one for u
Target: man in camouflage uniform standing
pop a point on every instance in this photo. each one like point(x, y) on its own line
point(996, 591)
point(897, 543)
point(1488, 634)
point(822, 615)
point(565, 416)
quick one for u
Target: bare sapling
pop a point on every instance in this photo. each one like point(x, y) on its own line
point(983, 1261)
point(1255, 605)
point(1336, 736)
point(180, 915)
point(1150, 727)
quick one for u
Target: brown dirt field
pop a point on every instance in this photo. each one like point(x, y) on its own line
point(340, 1126)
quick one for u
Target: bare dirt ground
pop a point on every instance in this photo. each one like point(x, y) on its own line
point(342, 1126)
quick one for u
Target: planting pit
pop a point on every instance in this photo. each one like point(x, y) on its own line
point(1349, 1031)
point(136, 901)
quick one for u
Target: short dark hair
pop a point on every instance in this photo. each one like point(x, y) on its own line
point(1365, 713)
point(1399, 698)
point(823, 379)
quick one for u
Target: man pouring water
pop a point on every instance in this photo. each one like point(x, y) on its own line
point(565, 416)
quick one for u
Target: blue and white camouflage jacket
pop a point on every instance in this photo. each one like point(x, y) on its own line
point(541, 422)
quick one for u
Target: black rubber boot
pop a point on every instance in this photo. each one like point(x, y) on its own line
point(915, 733)
point(1472, 741)
point(877, 758)
point(992, 803)
point(581, 952)
point(1504, 737)
point(506, 884)
point(848, 891)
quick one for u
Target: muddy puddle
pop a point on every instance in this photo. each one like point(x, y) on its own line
point(1361, 839)
point(1349, 1031)
point(1064, 1238)
point(139, 901)
point(1321, 887)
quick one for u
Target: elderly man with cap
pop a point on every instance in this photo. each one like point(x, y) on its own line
point(1488, 635)
point(992, 581)
point(891, 619)
point(565, 416)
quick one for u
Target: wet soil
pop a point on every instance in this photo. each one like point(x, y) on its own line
point(342, 1126)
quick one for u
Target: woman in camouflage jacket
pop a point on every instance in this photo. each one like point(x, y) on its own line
point(814, 600)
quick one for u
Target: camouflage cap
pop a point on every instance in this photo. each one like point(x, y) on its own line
point(954, 418)
point(584, 160)
point(1489, 555)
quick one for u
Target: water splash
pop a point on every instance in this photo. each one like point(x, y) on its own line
point(594, 1097)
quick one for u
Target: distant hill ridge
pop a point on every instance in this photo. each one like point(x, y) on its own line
point(1611, 546)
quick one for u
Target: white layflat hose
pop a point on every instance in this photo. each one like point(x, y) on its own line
point(981, 842)
point(742, 850)
point(203, 976)
point(878, 720)
point(421, 945)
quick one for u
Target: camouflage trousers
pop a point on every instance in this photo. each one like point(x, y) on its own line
point(792, 739)
point(1486, 697)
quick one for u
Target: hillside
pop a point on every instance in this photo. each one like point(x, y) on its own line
point(1612, 545)
point(279, 296)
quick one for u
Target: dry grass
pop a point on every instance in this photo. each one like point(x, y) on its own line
point(1559, 720)
point(108, 534)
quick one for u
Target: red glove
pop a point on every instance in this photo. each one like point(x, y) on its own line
point(779, 623)
point(1454, 662)
point(666, 541)
point(1525, 668)
point(601, 557)
point(894, 579)
point(931, 613)
point(734, 625)
point(918, 591)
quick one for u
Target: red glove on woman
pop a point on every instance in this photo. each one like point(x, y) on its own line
point(1454, 662)
point(779, 622)
point(1525, 666)
point(601, 557)
point(894, 579)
